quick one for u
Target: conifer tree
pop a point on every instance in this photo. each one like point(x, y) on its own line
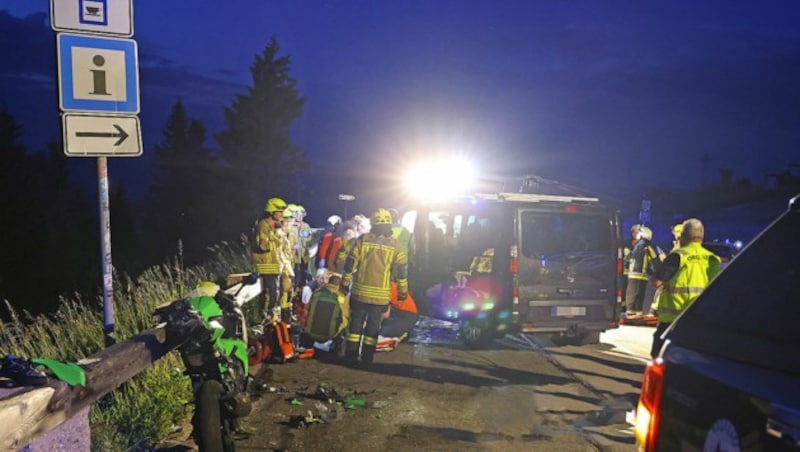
point(256, 147)
point(176, 204)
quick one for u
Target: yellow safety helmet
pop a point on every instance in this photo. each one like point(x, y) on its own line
point(677, 230)
point(288, 213)
point(300, 210)
point(275, 205)
point(381, 216)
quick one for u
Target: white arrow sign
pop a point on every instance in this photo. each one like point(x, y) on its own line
point(98, 135)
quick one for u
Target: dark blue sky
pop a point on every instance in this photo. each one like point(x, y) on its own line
point(607, 95)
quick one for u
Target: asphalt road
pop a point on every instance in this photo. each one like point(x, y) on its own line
point(432, 393)
point(612, 371)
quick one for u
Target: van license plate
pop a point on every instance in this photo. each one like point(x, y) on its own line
point(569, 311)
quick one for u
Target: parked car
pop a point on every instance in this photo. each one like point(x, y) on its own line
point(728, 377)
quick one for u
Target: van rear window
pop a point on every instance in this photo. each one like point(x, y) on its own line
point(545, 234)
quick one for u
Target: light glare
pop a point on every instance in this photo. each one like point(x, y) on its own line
point(440, 179)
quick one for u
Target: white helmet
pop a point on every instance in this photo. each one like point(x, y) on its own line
point(334, 220)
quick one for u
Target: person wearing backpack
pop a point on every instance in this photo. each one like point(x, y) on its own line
point(328, 310)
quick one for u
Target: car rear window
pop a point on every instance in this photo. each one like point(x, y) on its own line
point(750, 312)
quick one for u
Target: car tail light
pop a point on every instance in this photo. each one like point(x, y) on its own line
point(647, 411)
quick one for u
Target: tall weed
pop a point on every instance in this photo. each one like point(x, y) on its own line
point(145, 409)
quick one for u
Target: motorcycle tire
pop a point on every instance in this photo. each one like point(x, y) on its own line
point(212, 431)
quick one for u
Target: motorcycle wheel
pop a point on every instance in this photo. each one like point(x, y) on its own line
point(212, 431)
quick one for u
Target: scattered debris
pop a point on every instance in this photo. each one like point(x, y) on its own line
point(299, 421)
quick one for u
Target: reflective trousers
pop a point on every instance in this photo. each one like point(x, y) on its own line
point(270, 288)
point(365, 320)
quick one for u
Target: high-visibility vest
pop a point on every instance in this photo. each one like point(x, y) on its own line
point(403, 236)
point(482, 263)
point(697, 268)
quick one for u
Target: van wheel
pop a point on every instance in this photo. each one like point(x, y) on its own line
point(592, 337)
point(561, 339)
point(475, 334)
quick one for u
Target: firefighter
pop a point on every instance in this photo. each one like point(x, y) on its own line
point(268, 242)
point(287, 258)
point(676, 234)
point(684, 274)
point(305, 237)
point(375, 259)
point(640, 265)
point(626, 253)
point(482, 264)
point(347, 237)
point(326, 241)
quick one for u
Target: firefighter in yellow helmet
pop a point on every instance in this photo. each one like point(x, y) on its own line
point(266, 249)
point(374, 260)
point(676, 234)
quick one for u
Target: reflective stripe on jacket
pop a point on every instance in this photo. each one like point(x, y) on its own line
point(339, 254)
point(640, 260)
point(371, 265)
point(697, 268)
point(265, 253)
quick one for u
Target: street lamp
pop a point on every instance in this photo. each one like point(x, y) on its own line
point(346, 198)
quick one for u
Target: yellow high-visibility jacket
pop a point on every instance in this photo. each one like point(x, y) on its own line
point(341, 256)
point(267, 247)
point(697, 268)
point(371, 265)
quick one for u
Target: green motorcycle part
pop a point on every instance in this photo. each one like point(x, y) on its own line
point(70, 373)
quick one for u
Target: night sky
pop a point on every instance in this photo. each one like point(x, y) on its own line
point(607, 95)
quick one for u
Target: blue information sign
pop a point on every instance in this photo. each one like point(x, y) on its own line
point(97, 74)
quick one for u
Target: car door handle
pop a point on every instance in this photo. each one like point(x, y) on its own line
point(783, 431)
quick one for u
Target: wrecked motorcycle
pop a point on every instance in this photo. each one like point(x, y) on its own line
point(209, 326)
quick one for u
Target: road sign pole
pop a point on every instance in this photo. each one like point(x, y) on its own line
point(105, 252)
point(91, 70)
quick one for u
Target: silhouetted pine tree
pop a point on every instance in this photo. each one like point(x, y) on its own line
point(177, 207)
point(48, 239)
point(255, 146)
point(126, 241)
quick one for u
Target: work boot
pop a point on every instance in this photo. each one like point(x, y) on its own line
point(286, 315)
point(351, 354)
point(367, 354)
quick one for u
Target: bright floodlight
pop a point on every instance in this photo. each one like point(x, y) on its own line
point(440, 179)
